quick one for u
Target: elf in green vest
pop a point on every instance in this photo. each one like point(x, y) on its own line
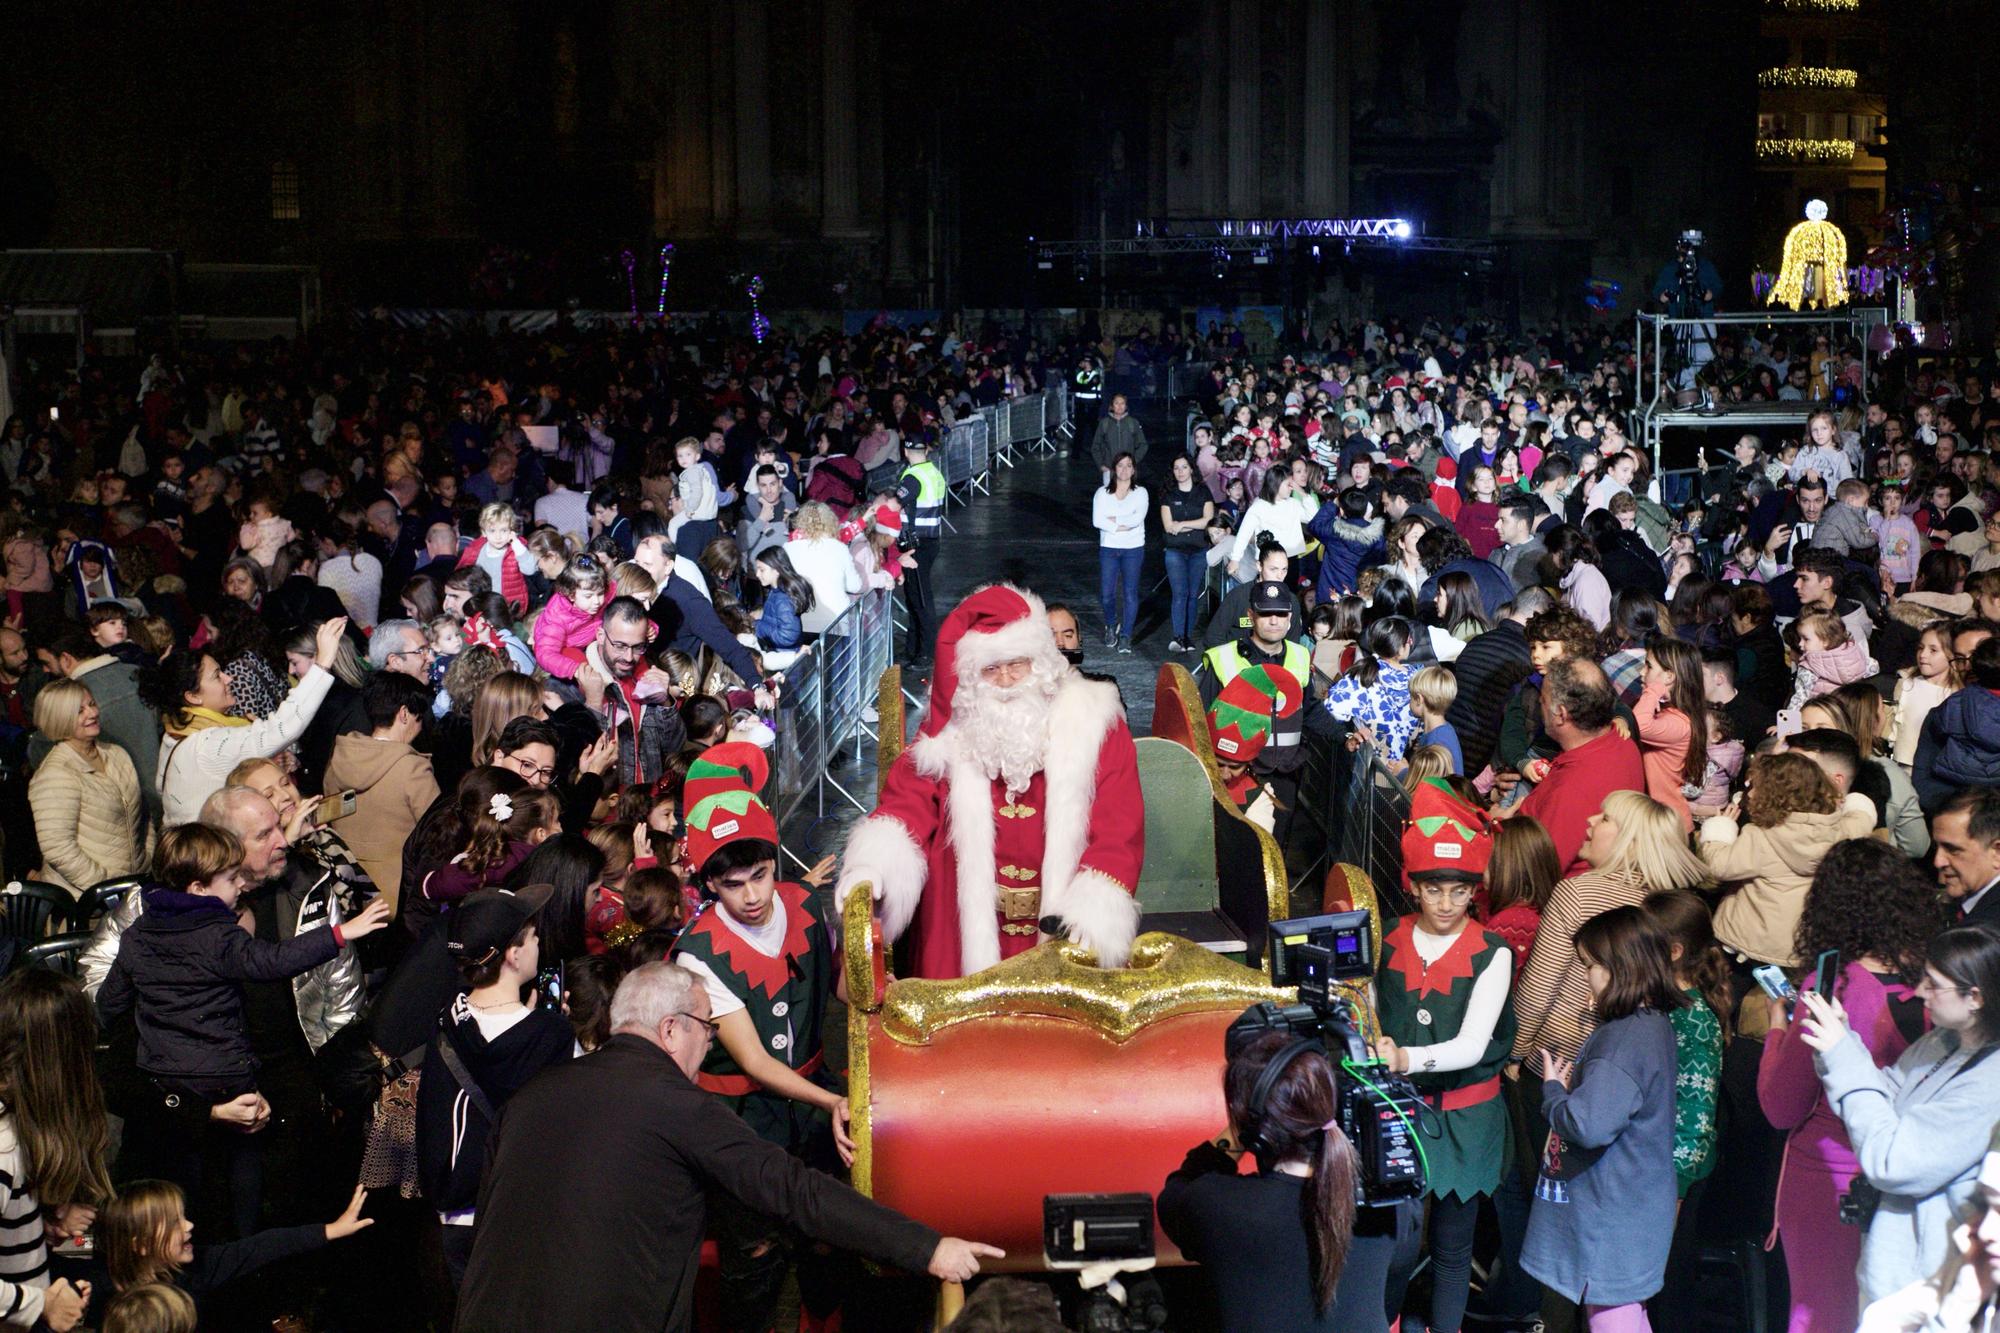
point(765, 955)
point(1441, 993)
point(1240, 723)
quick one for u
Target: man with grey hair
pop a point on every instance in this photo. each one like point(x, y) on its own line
point(631, 1192)
point(401, 645)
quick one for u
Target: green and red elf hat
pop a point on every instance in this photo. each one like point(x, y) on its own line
point(731, 766)
point(726, 817)
point(1445, 834)
point(1241, 718)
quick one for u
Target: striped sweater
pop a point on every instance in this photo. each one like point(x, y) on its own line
point(24, 1257)
point(1552, 999)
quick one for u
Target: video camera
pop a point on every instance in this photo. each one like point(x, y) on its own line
point(1377, 1110)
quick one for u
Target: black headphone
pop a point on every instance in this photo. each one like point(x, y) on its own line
point(1252, 1135)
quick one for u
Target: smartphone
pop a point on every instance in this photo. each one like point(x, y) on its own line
point(1826, 971)
point(1775, 983)
point(1788, 723)
point(343, 804)
point(549, 989)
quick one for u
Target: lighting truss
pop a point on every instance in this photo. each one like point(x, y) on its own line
point(1377, 229)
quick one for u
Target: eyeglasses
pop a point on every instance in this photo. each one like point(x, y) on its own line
point(1926, 986)
point(709, 1023)
point(1457, 895)
point(533, 772)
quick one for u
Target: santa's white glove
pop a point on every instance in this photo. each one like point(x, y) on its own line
point(1113, 952)
point(851, 876)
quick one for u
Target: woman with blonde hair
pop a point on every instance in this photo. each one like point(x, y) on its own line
point(500, 700)
point(1796, 816)
point(822, 560)
point(1634, 846)
point(89, 815)
point(631, 579)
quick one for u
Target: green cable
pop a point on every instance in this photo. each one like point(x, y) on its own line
point(1396, 1106)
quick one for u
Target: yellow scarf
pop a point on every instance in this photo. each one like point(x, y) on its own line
point(199, 718)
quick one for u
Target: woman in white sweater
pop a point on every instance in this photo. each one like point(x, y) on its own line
point(823, 560)
point(1118, 511)
point(89, 815)
point(203, 742)
point(1273, 511)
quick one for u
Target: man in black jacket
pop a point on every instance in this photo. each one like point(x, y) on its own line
point(1487, 671)
point(600, 1232)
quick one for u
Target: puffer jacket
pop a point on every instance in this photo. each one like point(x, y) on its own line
point(90, 818)
point(1958, 748)
point(1348, 545)
point(180, 970)
point(1772, 868)
point(328, 997)
point(561, 633)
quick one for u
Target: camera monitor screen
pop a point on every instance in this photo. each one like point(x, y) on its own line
point(1347, 936)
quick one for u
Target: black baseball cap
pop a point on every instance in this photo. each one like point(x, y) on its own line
point(487, 921)
point(1271, 599)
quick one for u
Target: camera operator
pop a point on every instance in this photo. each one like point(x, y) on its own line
point(1284, 1248)
point(1442, 999)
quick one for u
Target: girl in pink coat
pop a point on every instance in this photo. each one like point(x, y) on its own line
point(569, 623)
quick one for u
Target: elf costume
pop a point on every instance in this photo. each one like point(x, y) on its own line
point(1422, 1002)
point(785, 995)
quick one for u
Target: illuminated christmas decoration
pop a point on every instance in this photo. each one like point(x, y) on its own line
point(631, 262)
point(1862, 280)
point(1807, 76)
point(1814, 271)
point(1823, 6)
point(666, 268)
point(1812, 152)
point(760, 327)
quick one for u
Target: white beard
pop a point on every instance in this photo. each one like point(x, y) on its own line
point(1005, 731)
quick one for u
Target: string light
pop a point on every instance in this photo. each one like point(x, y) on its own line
point(760, 327)
point(1824, 6)
point(1817, 152)
point(1814, 271)
point(666, 268)
point(1807, 76)
point(631, 262)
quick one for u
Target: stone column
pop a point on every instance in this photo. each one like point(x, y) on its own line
point(840, 155)
point(1320, 165)
point(1521, 176)
point(683, 202)
point(753, 118)
point(1245, 72)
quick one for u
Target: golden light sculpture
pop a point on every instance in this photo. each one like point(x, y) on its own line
point(1827, 6)
point(1807, 76)
point(1814, 271)
point(1810, 152)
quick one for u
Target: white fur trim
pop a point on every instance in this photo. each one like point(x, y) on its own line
point(1030, 636)
point(969, 814)
point(1101, 916)
point(882, 852)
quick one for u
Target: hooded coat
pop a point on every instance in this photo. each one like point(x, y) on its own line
point(393, 785)
point(1959, 747)
point(1347, 547)
point(1772, 868)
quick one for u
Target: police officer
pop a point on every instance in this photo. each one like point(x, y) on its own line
point(922, 493)
point(1089, 395)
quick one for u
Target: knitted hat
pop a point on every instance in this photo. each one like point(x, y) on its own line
point(726, 817)
point(1445, 834)
point(731, 766)
point(998, 623)
point(1241, 718)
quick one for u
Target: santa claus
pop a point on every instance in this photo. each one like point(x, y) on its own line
point(1016, 811)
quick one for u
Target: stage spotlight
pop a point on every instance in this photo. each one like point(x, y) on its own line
point(1082, 269)
point(1045, 258)
point(1218, 257)
point(1261, 255)
point(1402, 230)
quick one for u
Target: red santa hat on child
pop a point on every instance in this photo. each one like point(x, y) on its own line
point(1241, 718)
point(998, 623)
point(1445, 834)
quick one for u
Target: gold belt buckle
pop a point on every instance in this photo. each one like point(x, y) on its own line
point(1021, 904)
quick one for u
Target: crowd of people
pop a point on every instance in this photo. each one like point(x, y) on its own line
point(387, 712)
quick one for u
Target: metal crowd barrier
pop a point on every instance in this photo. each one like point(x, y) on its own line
point(1356, 807)
point(826, 706)
point(968, 459)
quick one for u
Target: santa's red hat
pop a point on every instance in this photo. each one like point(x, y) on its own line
point(998, 623)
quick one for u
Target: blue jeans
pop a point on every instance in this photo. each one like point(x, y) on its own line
point(1186, 571)
point(1116, 566)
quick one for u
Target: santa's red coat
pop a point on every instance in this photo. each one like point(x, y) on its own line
point(938, 844)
